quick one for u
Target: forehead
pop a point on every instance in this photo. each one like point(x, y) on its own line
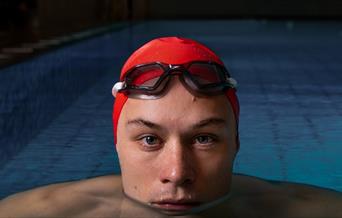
point(178, 105)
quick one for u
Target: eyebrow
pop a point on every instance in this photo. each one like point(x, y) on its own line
point(210, 122)
point(203, 123)
point(142, 122)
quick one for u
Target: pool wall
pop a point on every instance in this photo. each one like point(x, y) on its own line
point(34, 92)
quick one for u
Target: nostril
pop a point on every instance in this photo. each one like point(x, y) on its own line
point(186, 181)
point(164, 181)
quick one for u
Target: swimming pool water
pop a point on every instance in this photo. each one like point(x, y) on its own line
point(289, 89)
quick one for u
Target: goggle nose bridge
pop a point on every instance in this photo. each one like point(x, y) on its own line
point(176, 70)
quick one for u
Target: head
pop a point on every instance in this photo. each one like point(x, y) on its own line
point(176, 149)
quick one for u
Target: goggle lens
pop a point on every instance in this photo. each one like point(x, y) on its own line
point(146, 76)
point(204, 74)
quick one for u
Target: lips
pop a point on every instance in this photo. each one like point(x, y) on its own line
point(175, 205)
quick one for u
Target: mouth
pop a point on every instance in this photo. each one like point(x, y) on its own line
point(175, 206)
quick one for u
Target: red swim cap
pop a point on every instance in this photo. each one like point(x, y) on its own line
point(171, 50)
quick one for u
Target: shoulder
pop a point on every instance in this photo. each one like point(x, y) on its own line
point(314, 201)
point(62, 198)
point(101, 186)
point(288, 198)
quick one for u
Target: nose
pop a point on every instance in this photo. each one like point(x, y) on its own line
point(177, 166)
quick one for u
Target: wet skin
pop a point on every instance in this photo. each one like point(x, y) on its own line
point(175, 158)
point(103, 197)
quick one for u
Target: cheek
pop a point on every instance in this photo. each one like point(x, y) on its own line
point(215, 172)
point(216, 166)
point(137, 173)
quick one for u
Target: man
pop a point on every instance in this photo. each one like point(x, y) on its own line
point(176, 129)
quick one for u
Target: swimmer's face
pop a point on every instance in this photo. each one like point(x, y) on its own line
point(178, 150)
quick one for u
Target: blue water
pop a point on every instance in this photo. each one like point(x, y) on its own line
point(55, 110)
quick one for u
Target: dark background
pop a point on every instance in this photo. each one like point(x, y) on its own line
point(30, 21)
point(65, 15)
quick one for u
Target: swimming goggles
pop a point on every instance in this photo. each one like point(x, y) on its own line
point(148, 81)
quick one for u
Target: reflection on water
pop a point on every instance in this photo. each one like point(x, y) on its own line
point(251, 197)
point(131, 207)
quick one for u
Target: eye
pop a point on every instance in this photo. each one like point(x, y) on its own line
point(204, 140)
point(150, 142)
